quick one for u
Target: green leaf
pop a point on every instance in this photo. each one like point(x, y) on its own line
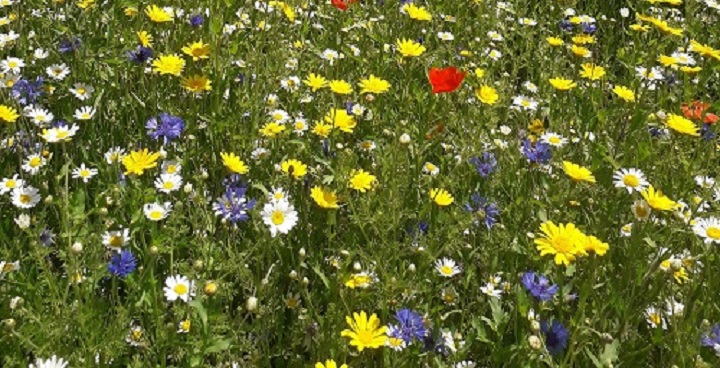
point(218, 346)
point(321, 275)
point(202, 313)
point(77, 204)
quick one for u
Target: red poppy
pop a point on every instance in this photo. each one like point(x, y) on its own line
point(695, 110)
point(342, 4)
point(445, 79)
point(711, 118)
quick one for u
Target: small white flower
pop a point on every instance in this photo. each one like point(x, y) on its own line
point(116, 239)
point(8, 184)
point(82, 91)
point(53, 362)
point(631, 179)
point(84, 173)
point(447, 267)
point(12, 64)
point(178, 287)
point(58, 71)
point(25, 197)
point(168, 183)
point(157, 212)
point(280, 216)
point(445, 36)
point(85, 113)
point(114, 155)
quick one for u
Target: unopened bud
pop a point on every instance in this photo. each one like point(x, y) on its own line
point(251, 304)
point(76, 248)
point(302, 253)
point(412, 267)
point(305, 281)
point(198, 264)
point(534, 342)
point(676, 264)
point(210, 288)
point(49, 199)
point(405, 138)
point(535, 326)
point(293, 275)
point(154, 250)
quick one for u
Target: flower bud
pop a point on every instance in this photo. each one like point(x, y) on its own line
point(357, 267)
point(16, 302)
point(211, 288)
point(251, 304)
point(302, 253)
point(305, 281)
point(405, 138)
point(198, 264)
point(293, 275)
point(154, 250)
point(534, 342)
point(49, 200)
point(188, 188)
point(76, 248)
point(412, 267)
point(535, 326)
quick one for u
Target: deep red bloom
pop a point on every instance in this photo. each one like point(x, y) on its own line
point(342, 4)
point(445, 79)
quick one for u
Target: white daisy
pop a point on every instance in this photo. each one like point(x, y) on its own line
point(40, 53)
point(641, 209)
point(85, 113)
point(673, 308)
point(430, 169)
point(25, 197)
point(280, 216)
point(524, 103)
point(61, 133)
point(490, 289)
point(84, 173)
point(12, 64)
point(58, 71)
point(178, 287)
point(300, 126)
point(7, 267)
point(167, 183)
point(33, 163)
point(136, 335)
point(445, 36)
point(447, 267)
point(553, 139)
point(8, 184)
point(630, 179)
point(278, 194)
point(279, 116)
point(626, 230)
point(53, 362)
point(394, 342)
point(184, 326)
point(704, 182)
point(530, 87)
point(82, 91)
point(39, 116)
point(156, 211)
point(171, 167)
point(116, 239)
point(708, 229)
point(290, 84)
point(655, 319)
point(114, 155)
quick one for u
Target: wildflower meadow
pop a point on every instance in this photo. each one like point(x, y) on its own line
point(359, 183)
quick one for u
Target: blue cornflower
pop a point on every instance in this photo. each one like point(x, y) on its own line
point(565, 25)
point(556, 336)
point(486, 212)
point(539, 153)
point(140, 55)
point(26, 92)
point(485, 166)
point(68, 45)
point(349, 107)
point(122, 264)
point(47, 237)
point(706, 132)
point(589, 27)
point(233, 205)
point(411, 325)
point(539, 286)
point(712, 339)
point(657, 132)
point(169, 127)
point(196, 20)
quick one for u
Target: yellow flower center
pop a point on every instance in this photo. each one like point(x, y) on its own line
point(10, 184)
point(180, 289)
point(631, 180)
point(84, 173)
point(554, 140)
point(168, 185)
point(115, 241)
point(25, 199)
point(35, 162)
point(81, 91)
point(563, 244)
point(713, 232)
point(137, 334)
point(277, 217)
point(171, 169)
point(365, 337)
point(446, 270)
point(156, 215)
point(63, 134)
point(655, 318)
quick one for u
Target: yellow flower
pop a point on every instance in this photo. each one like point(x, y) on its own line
point(234, 163)
point(555, 41)
point(131, 11)
point(441, 197)
point(409, 48)
point(329, 364)
point(340, 87)
point(669, 2)
point(639, 27)
point(272, 129)
point(362, 181)
point(562, 84)
point(417, 12)
point(595, 245)
point(479, 73)
point(322, 129)
point(657, 200)
point(580, 51)
point(583, 39)
point(324, 198)
point(487, 95)
point(364, 332)
point(566, 242)
point(577, 172)
point(288, 11)
point(536, 127)
point(624, 93)
point(592, 71)
point(294, 168)
point(198, 50)
point(145, 39)
point(704, 50)
point(315, 82)
point(8, 114)
point(359, 280)
point(157, 14)
point(668, 61)
point(682, 125)
point(339, 118)
point(690, 69)
point(197, 84)
point(138, 161)
point(169, 64)
point(374, 84)
point(85, 4)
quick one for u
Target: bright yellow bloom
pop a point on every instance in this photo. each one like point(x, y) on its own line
point(157, 14)
point(704, 50)
point(145, 39)
point(272, 129)
point(198, 50)
point(555, 41)
point(315, 82)
point(8, 114)
point(487, 95)
point(577, 172)
point(359, 280)
point(657, 200)
point(639, 27)
point(479, 73)
point(625, 93)
point(410, 48)
point(294, 168)
point(234, 163)
point(85, 4)
point(339, 118)
point(595, 245)
point(668, 2)
point(136, 162)
point(580, 51)
point(340, 87)
point(362, 181)
point(441, 197)
point(322, 129)
point(682, 125)
point(583, 39)
point(131, 11)
point(374, 84)
point(417, 12)
point(668, 61)
point(324, 198)
point(329, 364)
point(364, 332)
point(592, 71)
point(169, 64)
point(562, 84)
point(690, 69)
point(564, 241)
point(197, 84)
